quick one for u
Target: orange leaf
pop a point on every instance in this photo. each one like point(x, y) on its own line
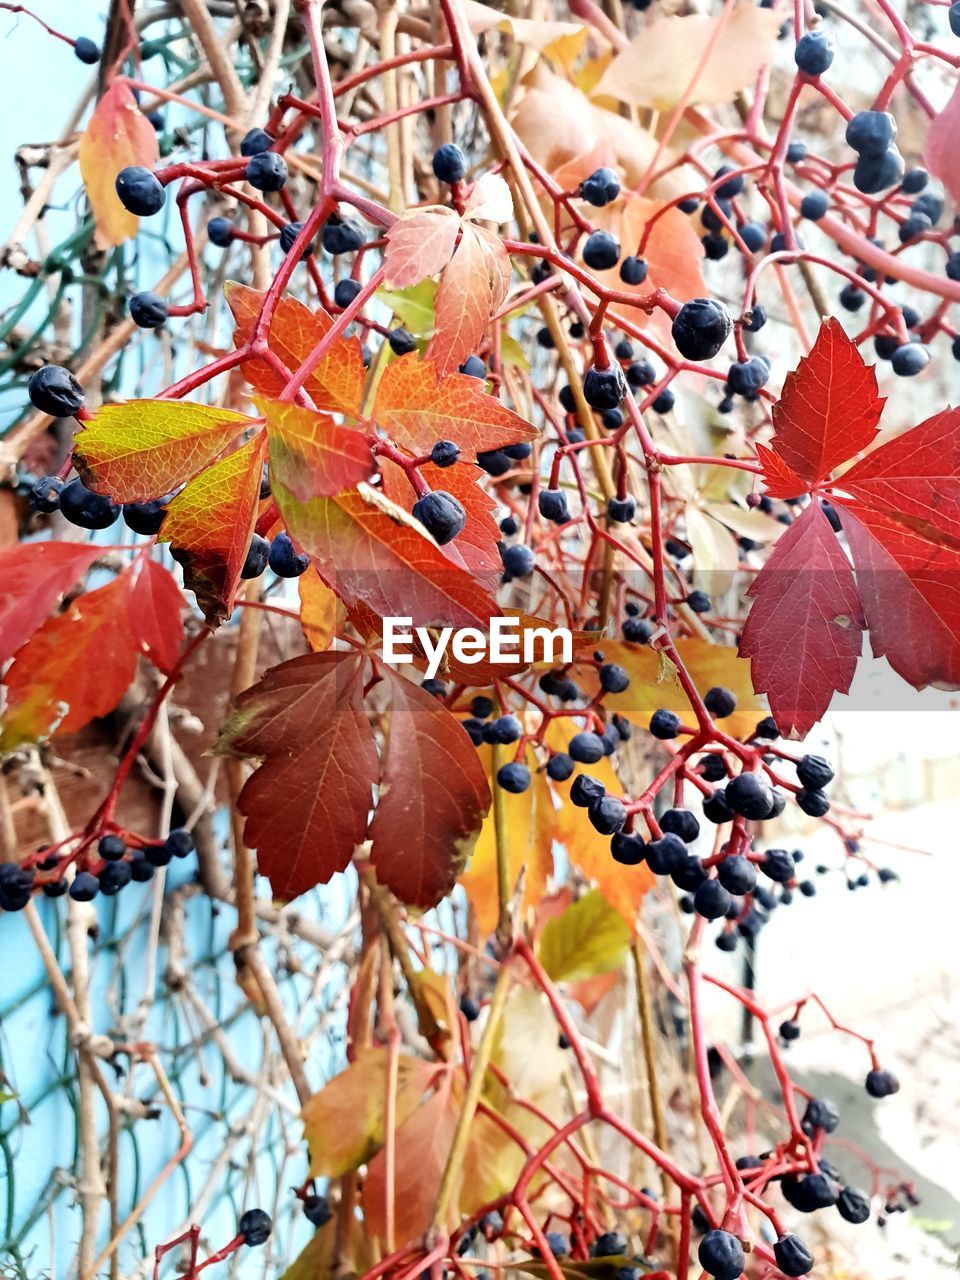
point(433, 800)
point(498, 263)
point(336, 384)
point(318, 610)
point(116, 136)
point(306, 805)
point(623, 887)
point(209, 525)
point(77, 666)
point(314, 456)
point(423, 1144)
point(660, 65)
point(33, 578)
point(476, 546)
point(368, 549)
point(344, 1122)
point(155, 605)
point(419, 245)
point(464, 304)
point(417, 407)
point(144, 448)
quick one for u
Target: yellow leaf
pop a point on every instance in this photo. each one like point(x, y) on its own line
point(566, 49)
point(658, 67)
point(590, 937)
point(434, 1000)
point(344, 1121)
point(708, 665)
point(529, 822)
point(318, 611)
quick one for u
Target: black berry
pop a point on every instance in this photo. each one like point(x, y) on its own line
point(55, 391)
point(441, 515)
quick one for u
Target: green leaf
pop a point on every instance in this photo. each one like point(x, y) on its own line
point(414, 305)
point(590, 937)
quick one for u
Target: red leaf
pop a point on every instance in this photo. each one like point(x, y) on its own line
point(155, 604)
point(910, 590)
point(33, 578)
point(829, 408)
point(904, 535)
point(77, 666)
point(314, 456)
point(941, 156)
point(306, 806)
point(209, 525)
point(434, 799)
point(804, 633)
point(336, 383)
point(417, 408)
point(915, 477)
point(779, 480)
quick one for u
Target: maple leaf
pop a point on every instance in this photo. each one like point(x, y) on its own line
point(80, 663)
point(369, 550)
point(144, 448)
point(899, 508)
point(805, 631)
point(434, 798)
point(306, 805)
point(312, 454)
point(34, 577)
point(209, 525)
point(116, 136)
point(336, 384)
point(828, 410)
point(417, 407)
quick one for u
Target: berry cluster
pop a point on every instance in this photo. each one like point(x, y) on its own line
point(85, 866)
